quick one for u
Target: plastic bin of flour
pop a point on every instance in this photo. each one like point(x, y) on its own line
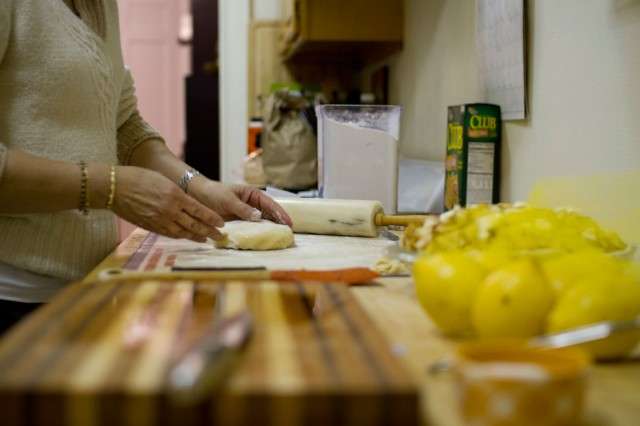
point(358, 153)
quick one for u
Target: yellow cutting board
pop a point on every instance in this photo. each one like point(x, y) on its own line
point(612, 199)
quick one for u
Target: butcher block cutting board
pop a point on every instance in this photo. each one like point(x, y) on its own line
point(101, 354)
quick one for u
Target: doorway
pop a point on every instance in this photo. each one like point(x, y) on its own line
point(159, 64)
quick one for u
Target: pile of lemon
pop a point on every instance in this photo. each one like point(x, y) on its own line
point(518, 227)
point(495, 290)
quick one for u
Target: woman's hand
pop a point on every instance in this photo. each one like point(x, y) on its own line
point(153, 202)
point(159, 202)
point(233, 201)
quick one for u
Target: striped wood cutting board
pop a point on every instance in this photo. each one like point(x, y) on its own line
point(100, 355)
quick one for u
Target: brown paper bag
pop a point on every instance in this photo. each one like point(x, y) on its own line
point(289, 144)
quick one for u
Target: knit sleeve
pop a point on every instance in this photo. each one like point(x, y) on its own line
point(132, 128)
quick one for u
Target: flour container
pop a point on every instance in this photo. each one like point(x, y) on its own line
point(358, 153)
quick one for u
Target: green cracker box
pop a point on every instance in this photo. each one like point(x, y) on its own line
point(473, 155)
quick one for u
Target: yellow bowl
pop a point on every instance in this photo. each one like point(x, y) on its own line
point(510, 383)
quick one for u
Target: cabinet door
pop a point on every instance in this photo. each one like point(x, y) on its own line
point(265, 67)
point(291, 20)
point(361, 31)
point(350, 20)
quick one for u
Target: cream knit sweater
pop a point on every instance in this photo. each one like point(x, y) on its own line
point(65, 94)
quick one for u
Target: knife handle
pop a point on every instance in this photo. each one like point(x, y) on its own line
point(204, 367)
point(199, 374)
point(347, 275)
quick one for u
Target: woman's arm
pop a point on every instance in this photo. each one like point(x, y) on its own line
point(146, 192)
point(230, 201)
point(30, 184)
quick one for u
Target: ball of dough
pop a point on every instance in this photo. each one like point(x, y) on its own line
point(262, 235)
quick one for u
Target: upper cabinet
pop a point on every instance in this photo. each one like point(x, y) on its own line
point(360, 31)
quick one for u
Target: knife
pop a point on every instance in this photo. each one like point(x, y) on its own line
point(205, 366)
point(586, 333)
point(347, 275)
point(572, 337)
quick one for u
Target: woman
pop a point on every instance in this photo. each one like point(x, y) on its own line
point(74, 153)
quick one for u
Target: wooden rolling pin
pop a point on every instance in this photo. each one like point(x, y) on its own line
point(359, 218)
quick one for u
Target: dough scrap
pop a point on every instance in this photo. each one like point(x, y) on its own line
point(385, 265)
point(262, 235)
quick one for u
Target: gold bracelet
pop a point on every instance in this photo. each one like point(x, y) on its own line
point(84, 189)
point(112, 187)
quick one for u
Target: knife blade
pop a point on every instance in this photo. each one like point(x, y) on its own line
point(586, 333)
point(205, 366)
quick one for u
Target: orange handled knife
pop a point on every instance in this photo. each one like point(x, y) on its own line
point(348, 275)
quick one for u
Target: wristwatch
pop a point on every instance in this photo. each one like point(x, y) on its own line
point(187, 177)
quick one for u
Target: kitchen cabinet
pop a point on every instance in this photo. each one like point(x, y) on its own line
point(322, 43)
point(265, 66)
point(356, 31)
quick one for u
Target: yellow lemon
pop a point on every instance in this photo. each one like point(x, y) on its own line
point(512, 301)
point(445, 286)
point(632, 269)
point(492, 258)
point(566, 269)
point(613, 298)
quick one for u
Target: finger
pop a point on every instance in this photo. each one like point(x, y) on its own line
point(277, 214)
point(207, 217)
point(192, 229)
point(271, 210)
point(198, 230)
point(241, 204)
point(178, 231)
point(244, 211)
point(175, 230)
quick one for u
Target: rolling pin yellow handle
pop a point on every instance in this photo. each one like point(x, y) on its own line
point(399, 220)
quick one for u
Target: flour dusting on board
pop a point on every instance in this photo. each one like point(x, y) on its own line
point(318, 252)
